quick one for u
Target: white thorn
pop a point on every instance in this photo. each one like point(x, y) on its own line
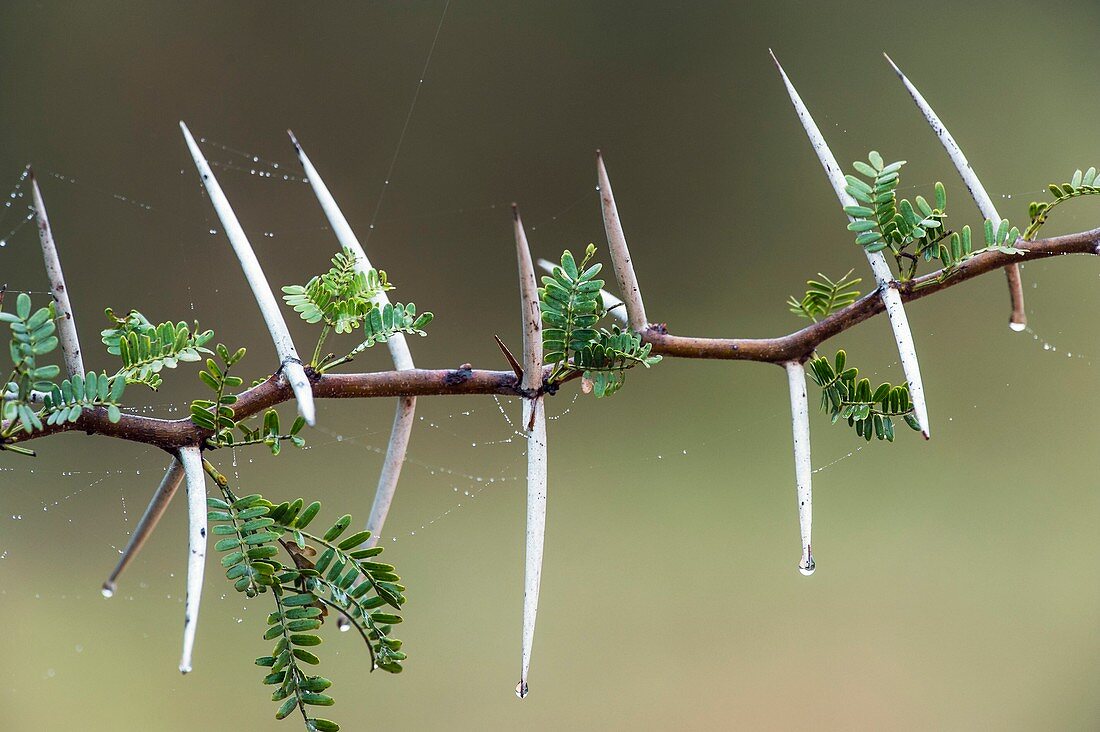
point(269, 306)
point(399, 351)
point(962, 165)
point(620, 254)
point(398, 345)
point(66, 323)
point(973, 185)
point(800, 427)
point(162, 496)
point(536, 528)
point(613, 305)
point(891, 299)
point(530, 309)
point(191, 458)
point(403, 421)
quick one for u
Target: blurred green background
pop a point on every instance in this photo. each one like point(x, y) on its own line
point(954, 589)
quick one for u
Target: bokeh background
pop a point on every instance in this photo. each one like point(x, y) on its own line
point(957, 584)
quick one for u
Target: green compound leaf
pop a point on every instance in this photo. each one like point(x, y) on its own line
point(146, 349)
point(571, 307)
point(345, 300)
point(825, 296)
point(909, 230)
point(1080, 184)
point(309, 578)
point(870, 412)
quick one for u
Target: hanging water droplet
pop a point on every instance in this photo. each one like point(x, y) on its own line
point(807, 566)
point(1018, 327)
point(522, 690)
point(107, 591)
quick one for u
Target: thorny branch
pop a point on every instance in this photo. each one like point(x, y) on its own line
point(797, 346)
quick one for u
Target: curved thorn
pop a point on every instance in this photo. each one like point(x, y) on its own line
point(1018, 319)
point(615, 307)
point(397, 344)
point(66, 325)
point(162, 496)
point(891, 299)
point(800, 426)
point(191, 459)
point(620, 255)
point(269, 307)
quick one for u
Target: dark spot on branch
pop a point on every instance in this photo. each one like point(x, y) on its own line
point(459, 376)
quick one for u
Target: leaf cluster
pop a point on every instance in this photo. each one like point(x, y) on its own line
point(910, 230)
point(571, 309)
point(959, 247)
point(217, 414)
point(344, 299)
point(605, 360)
point(379, 325)
point(65, 403)
point(341, 297)
point(32, 337)
point(846, 396)
point(269, 433)
point(269, 549)
point(825, 296)
point(1085, 183)
point(147, 349)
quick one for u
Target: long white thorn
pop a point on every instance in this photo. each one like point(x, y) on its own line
point(891, 298)
point(399, 351)
point(613, 305)
point(66, 324)
point(534, 414)
point(191, 459)
point(149, 520)
point(1018, 319)
point(620, 254)
point(534, 427)
point(269, 306)
point(800, 427)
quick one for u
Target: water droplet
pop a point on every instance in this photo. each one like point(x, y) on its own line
point(522, 690)
point(807, 566)
point(1018, 327)
point(213, 231)
point(108, 591)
